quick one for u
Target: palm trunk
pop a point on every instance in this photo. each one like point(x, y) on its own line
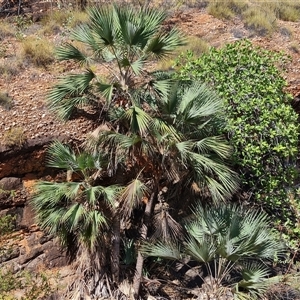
point(140, 260)
point(115, 255)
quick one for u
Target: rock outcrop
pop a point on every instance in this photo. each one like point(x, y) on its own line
point(27, 248)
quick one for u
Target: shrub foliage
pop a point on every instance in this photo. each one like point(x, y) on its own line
point(262, 126)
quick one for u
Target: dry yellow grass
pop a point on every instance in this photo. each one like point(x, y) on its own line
point(39, 51)
point(10, 67)
point(14, 137)
point(64, 18)
point(193, 43)
point(6, 30)
point(259, 20)
point(226, 9)
point(5, 101)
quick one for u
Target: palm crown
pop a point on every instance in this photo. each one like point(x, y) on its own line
point(80, 208)
point(226, 238)
point(121, 38)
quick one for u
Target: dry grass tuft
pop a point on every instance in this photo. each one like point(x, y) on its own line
point(38, 51)
point(6, 30)
point(295, 48)
point(226, 9)
point(262, 22)
point(195, 44)
point(5, 101)
point(14, 137)
point(64, 18)
point(10, 67)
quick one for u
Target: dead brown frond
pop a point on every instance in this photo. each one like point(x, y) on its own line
point(132, 197)
point(165, 227)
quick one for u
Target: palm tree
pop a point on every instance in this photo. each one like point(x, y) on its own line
point(121, 38)
point(160, 138)
point(173, 147)
point(79, 211)
point(225, 238)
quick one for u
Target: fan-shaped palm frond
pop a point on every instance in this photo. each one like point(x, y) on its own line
point(139, 120)
point(255, 276)
point(132, 196)
point(165, 250)
point(70, 93)
point(124, 36)
point(163, 44)
point(68, 51)
point(78, 208)
point(223, 239)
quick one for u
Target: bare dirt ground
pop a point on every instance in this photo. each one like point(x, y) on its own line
point(29, 87)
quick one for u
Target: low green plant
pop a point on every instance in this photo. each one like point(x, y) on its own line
point(261, 124)
point(22, 22)
point(38, 51)
point(14, 137)
point(7, 224)
point(8, 283)
point(33, 285)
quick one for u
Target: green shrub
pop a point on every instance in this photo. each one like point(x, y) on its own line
point(33, 285)
point(7, 223)
point(262, 126)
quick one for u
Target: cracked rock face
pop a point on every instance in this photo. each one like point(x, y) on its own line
point(26, 248)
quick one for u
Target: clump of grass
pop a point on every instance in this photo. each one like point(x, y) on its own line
point(59, 17)
point(6, 30)
point(5, 101)
point(286, 31)
point(77, 17)
point(262, 22)
point(64, 18)
point(50, 27)
point(295, 48)
point(289, 13)
point(14, 137)
point(10, 67)
point(195, 44)
point(226, 9)
point(38, 51)
point(220, 11)
point(285, 10)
